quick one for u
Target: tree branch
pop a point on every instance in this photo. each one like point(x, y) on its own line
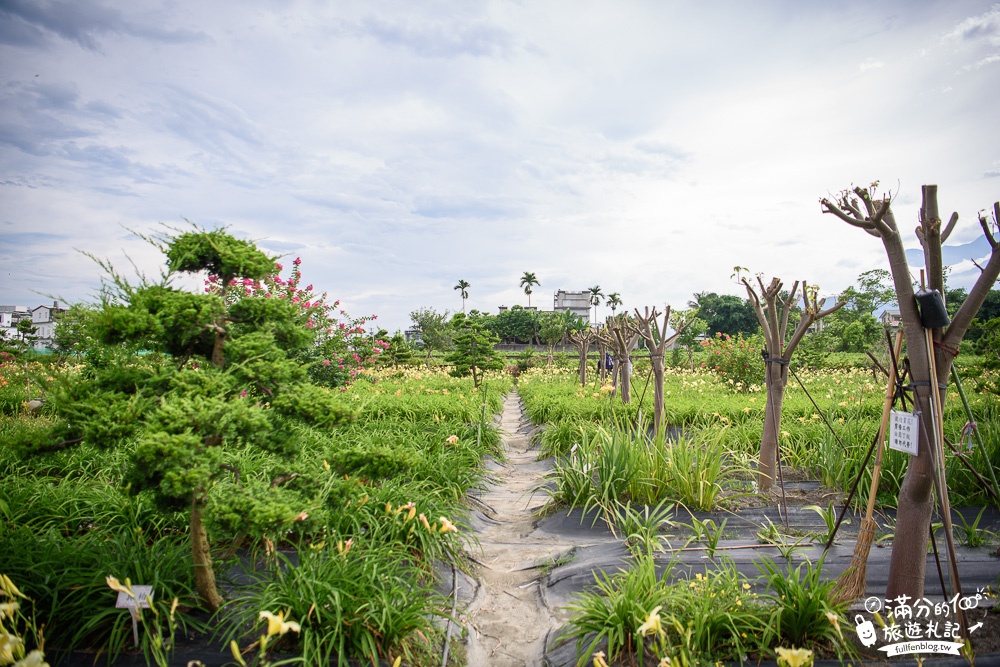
point(855, 221)
point(930, 239)
point(950, 226)
point(984, 223)
point(283, 479)
point(58, 446)
point(977, 295)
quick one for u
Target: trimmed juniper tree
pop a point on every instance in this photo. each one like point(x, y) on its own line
point(474, 352)
point(186, 375)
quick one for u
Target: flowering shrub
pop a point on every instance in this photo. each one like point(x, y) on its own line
point(341, 349)
point(736, 360)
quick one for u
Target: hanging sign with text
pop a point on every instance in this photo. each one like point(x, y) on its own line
point(903, 430)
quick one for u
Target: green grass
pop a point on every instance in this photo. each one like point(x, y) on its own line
point(387, 484)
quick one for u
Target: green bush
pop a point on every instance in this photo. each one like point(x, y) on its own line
point(736, 360)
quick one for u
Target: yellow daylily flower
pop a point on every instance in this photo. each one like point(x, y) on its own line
point(452, 439)
point(117, 586)
point(599, 660)
point(653, 624)
point(8, 645)
point(835, 622)
point(446, 526)
point(9, 588)
point(794, 657)
point(7, 609)
point(234, 648)
point(277, 625)
point(34, 659)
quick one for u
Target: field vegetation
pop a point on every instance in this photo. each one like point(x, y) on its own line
point(292, 486)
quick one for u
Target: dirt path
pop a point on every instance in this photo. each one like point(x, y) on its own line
point(509, 619)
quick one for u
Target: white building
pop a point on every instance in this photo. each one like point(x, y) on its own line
point(9, 317)
point(43, 318)
point(577, 303)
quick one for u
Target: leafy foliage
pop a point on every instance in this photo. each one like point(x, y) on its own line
point(474, 352)
point(736, 360)
point(725, 313)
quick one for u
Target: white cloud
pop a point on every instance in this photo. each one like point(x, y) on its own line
point(647, 148)
point(984, 27)
point(988, 60)
point(870, 64)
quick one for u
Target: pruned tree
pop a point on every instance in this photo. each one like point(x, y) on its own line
point(218, 369)
point(860, 208)
point(773, 309)
point(474, 352)
point(618, 336)
point(655, 334)
point(582, 340)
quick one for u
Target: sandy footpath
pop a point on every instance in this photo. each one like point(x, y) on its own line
point(509, 620)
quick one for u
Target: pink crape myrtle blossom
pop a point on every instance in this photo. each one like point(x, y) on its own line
point(340, 338)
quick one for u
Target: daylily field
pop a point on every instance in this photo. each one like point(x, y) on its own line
point(340, 550)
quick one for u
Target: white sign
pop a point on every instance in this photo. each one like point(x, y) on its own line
point(904, 429)
point(143, 594)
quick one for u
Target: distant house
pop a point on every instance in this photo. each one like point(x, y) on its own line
point(9, 317)
point(577, 303)
point(891, 319)
point(43, 318)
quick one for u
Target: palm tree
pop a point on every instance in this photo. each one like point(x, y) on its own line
point(595, 298)
point(464, 287)
point(614, 300)
point(527, 280)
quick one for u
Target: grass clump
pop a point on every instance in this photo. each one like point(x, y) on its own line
point(636, 615)
point(352, 600)
point(621, 465)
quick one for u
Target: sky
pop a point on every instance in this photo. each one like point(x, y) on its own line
point(398, 147)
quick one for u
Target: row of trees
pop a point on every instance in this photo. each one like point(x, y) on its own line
point(528, 280)
point(517, 325)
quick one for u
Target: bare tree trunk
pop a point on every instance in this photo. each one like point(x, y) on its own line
point(659, 405)
point(772, 311)
point(621, 337)
point(201, 555)
point(657, 343)
point(777, 380)
point(602, 351)
point(626, 379)
point(582, 340)
point(907, 565)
